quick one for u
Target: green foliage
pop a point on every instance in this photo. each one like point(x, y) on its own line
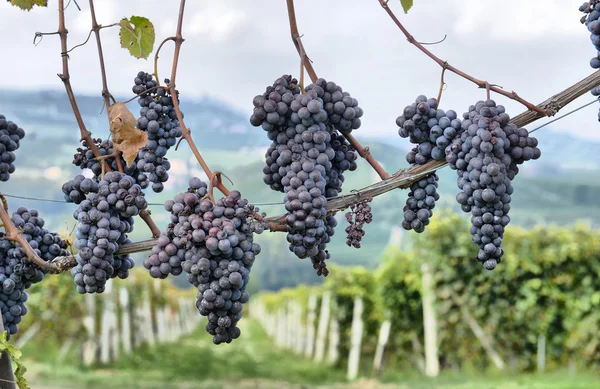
point(137, 36)
point(345, 285)
point(547, 284)
point(15, 355)
point(399, 284)
point(406, 5)
point(27, 5)
point(54, 298)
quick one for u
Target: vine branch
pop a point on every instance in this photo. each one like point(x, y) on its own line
point(171, 38)
point(186, 132)
point(96, 28)
point(481, 84)
point(364, 152)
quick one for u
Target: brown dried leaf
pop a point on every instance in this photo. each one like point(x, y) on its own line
point(126, 138)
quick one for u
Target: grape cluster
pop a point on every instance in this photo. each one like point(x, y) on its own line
point(159, 119)
point(420, 203)
point(430, 128)
point(485, 157)
point(86, 159)
point(213, 244)
point(104, 218)
point(359, 215)
point(17, 273)
point(591, 10)
point(10, 136)
point(591, 19)
point(308, 156)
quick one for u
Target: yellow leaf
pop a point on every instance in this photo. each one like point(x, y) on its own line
point(27, 5)
point(126, 138)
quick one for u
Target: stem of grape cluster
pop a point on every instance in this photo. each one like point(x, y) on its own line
point(66, 79)
point(96, 28)
point(16, 235)
point(481, 84)
point(171, 38)
point(362, 151)
point(185, 131)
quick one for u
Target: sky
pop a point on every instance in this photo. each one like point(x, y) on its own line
point(233, 49)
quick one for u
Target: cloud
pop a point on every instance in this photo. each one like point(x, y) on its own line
point(517, 20)
point(216, 23)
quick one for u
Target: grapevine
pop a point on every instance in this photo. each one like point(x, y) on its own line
point(311, 130)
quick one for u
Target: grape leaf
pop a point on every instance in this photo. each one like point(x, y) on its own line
point(15, 355)
point(27, 5)
point(126, 138)
point(406, 5)
point(137, 36)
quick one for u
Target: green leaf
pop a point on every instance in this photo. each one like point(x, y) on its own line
point(15, 355)
point(137, 36)
point(27, 5)
point(20, 376)
point(406, 5)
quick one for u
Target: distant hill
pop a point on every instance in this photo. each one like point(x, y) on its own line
point(554, 189)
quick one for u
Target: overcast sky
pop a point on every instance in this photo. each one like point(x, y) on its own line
point(235, 48)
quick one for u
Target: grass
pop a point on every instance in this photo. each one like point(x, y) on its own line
point(189, 361)
point(252, 362)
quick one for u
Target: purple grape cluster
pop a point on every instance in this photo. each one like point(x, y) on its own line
point(420, 203)
point(10, 136)
point(213, 244)
point(308, 156)
point(591, 19)
point(432, 130)
point(485, 156)
point(159, 119)
point(104, 218)
point(17, 272)
point(359, 215)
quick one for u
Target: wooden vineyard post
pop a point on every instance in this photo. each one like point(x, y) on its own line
point(310, 326)
point(89, 347)
point(322, 329)
point(384, 334)
point(432, 364)
point(125, 320)
point(334, 341)
point(356, 332)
